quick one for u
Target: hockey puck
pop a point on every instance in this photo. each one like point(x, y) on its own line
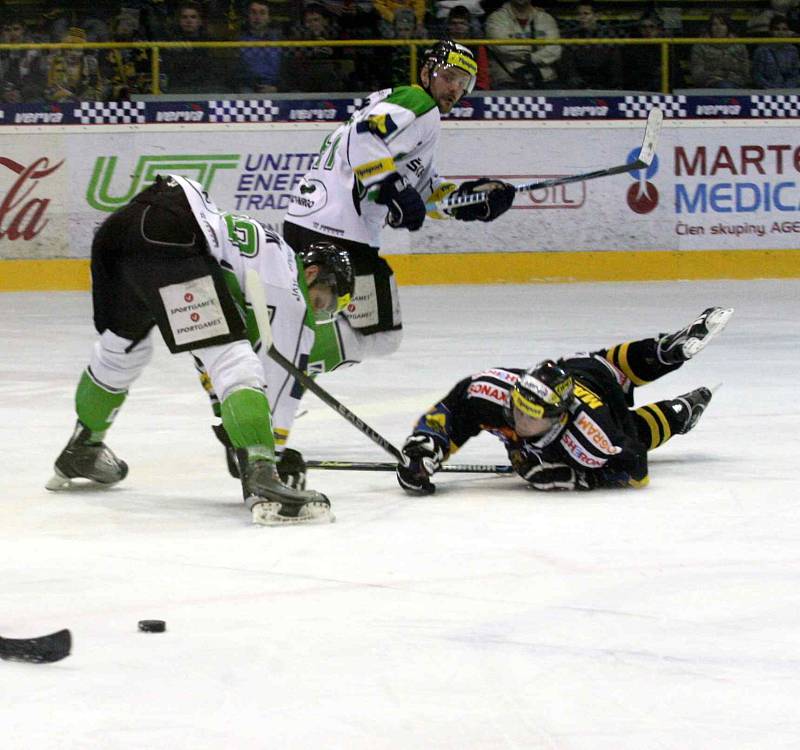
point(152, 626)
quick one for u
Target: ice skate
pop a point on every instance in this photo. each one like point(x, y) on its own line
point(82, 459)
point(272, 503)
point(684, 344)
point(695, 403)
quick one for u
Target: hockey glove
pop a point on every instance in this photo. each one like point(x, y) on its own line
point(546, 477)
point(423, 456)
point(406, 207)
point(230, 451)
point(292, 469)
point(500, 196)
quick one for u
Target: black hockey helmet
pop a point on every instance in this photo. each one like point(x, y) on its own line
point(447, 53)
point(544, 391)
point(335, 270)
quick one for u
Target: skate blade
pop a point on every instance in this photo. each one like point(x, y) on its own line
point(62, 483)
point(715, 324)
point(58, 482)
point(268, 514)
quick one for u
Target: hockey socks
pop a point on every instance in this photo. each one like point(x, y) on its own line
point(97, 405)
point(247, 420)
point(658, 422)
point(638, 361)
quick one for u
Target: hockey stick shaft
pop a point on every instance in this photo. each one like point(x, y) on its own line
point(386, 466)
point(644, 159)
point(258, 299)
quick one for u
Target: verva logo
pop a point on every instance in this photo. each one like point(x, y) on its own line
point(23, 216)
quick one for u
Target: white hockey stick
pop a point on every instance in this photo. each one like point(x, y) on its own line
point(644, 159)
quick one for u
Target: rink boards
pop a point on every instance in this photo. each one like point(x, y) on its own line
point(720, 200)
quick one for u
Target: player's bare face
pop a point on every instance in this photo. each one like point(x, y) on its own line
point(447, 86)
point(526, 426)
point(323, 300)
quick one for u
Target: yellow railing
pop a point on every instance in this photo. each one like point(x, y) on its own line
point(413, 44)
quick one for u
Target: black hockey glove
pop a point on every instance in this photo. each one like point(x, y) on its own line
point(498, 202)
point(230, 451)
point(546, 477)
point(423, 457)
point(406, 207)
point(292, 469)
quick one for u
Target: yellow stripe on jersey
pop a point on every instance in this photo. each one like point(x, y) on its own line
point(281, 436)
point(374, 168)
point(618, 356)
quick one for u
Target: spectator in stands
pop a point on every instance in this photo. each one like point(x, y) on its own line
point(260, 66)
point(317, 68)
point(777, 66)
point(190, 70)
point(758, 23)
point(94, 19)
point(387, 10)
point(22, 72)
point(405, 27)
point(441, 9)
point(358, 19)
point(719, 66)
point(74, 74)
point(461, 25)
point(592, 66)
point(127, 70)
point(531, 67)
point(642, 62)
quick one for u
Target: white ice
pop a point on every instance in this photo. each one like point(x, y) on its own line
point(486, 616)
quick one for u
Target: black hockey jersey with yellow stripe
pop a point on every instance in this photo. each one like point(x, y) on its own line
point(597, 433)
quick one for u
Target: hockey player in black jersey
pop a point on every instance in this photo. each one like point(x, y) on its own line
point(568, 424)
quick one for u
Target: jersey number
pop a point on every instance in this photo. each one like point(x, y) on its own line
point(242, 232)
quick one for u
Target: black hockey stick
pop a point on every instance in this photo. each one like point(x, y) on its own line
point(255, 293)
point(45, 649)
point(644, 159)
point(386, 466)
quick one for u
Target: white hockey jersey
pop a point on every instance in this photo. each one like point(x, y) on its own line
point(239, 243)
point(396, 130)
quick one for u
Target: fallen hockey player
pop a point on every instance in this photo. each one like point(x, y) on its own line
point(568, 424)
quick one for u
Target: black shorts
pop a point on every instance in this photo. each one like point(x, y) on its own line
point(150, 244)
point(366, 263)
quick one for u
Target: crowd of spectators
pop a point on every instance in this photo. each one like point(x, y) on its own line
point(317, 66)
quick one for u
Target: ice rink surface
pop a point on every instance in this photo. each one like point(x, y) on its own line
point(487, 616)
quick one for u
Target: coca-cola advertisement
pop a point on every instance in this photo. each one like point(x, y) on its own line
point(33, 205)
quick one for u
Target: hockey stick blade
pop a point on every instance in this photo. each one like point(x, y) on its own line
point(258, 299)
point(42, 650)
point(384, 466)
point(644, 159)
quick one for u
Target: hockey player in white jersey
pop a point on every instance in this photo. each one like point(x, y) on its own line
point(172, 259)
point(378, 168)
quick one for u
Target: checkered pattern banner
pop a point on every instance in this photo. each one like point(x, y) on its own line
point(516, 107)
point(111, 113)
point(639, 105)
point(242, 110)
point(775, 105)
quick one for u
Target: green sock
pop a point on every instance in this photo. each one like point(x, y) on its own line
point(326, 354)
point(97, 406)
point(247, 420)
